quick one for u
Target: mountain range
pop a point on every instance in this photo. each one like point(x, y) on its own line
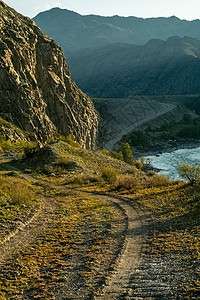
point(156, 68)
point(73, 31)
point(124, 56)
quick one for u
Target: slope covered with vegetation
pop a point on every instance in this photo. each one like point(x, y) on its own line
point(72, 239)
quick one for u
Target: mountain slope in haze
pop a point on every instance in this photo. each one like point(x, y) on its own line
point(36, 90)
point(157, 68)
point(73, 31)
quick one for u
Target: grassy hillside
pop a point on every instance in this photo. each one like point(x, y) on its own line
point(73, 238)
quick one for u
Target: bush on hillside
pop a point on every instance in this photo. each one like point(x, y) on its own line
point(127, 153)
point(117, 155)
point(16, 193)
point(190, 173)
point(157, 180)
point(20, 146)
point(70, 139)
point(126, 182)
point(109, 175)
point(138, 164)
point(124, 153)
point(85, 179)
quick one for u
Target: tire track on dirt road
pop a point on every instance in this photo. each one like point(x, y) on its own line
point(118, 282)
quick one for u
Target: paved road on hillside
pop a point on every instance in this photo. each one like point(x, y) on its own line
point(135, 121)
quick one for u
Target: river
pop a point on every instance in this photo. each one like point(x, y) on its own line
point(168, 163)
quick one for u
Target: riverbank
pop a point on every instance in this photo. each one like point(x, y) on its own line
point(167, 163)
point(165, 147)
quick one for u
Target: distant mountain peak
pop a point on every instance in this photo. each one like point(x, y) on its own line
point(95, 31)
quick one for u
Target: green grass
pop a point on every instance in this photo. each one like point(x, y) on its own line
point(18, 200)
point(73, 253)
point(79, 244)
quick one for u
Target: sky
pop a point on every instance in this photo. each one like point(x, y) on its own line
point(183, 9)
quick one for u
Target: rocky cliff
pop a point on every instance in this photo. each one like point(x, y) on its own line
point(36, 90)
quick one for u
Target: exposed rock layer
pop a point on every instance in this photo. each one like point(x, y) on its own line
point(36, 90)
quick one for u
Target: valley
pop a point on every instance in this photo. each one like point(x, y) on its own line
point(82, 214)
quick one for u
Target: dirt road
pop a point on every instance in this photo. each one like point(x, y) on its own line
point(131, 114)
point(135, 275)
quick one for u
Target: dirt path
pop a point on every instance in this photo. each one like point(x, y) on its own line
point(127, 262)
point(117, 286)
point(135, 275)
point(26, 232)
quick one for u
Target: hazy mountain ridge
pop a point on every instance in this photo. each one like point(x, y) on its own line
point(123, 56)
point(74, 31)
point(159, 67)
point(36, 90)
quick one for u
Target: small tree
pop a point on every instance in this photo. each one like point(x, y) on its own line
point(117, 155)
point(190, 173)
point(127, 153)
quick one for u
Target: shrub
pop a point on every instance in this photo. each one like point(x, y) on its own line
point(17, 193)
point(7, 145)
point(138, 164)
point(126, 182)
point(106, 152)
point(70, 139)
point(158, 180)
point(133, 170)
point(109, 175)
point(124, 153)
point(190, 173)
point(84, 179)
point(19, 146)
point(117, 155)
point(127, 153)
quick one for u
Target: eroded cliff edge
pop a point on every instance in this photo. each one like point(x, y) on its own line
point(36, 90)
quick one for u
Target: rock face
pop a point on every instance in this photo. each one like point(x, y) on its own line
point(36, 90)
point(8, 131)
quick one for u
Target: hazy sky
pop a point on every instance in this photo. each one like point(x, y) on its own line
point(184, 9)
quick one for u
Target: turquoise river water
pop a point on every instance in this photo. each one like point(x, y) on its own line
point(168, 162)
